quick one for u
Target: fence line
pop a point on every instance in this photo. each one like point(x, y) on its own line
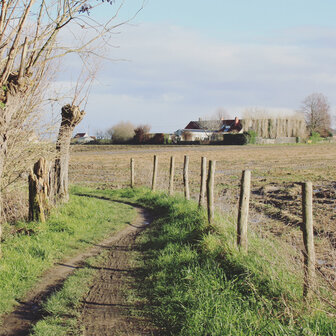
point(207, 187)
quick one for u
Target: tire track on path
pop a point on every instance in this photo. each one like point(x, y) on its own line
point(105, 309)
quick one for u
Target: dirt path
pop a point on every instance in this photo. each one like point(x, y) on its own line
point(28, 312)
point(106, 311)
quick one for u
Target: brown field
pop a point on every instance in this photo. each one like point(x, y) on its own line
point(277, 171)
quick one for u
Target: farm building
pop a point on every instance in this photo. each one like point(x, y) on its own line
point(208, 129)
point(267, 130)
point(81, 138)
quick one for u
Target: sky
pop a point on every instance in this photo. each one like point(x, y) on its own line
point(177, 61)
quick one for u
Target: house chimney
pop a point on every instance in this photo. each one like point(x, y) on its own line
point(199, 119)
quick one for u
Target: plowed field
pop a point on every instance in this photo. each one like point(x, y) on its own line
point(277, 174)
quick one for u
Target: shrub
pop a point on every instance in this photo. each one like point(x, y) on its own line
point(158, 138)
point(315, 137)
point(251, 136)
point(141, 134)
point(233, 139)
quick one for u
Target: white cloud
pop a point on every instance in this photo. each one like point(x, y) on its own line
point(174, 75)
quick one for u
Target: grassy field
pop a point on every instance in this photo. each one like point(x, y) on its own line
point(277, 171)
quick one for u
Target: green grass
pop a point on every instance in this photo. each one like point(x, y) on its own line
point(71, 228)
point(191, 277)
point(197, 283)
point(61, 309)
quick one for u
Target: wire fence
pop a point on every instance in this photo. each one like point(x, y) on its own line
point(275, 206)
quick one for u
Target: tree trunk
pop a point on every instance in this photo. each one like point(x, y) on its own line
point(38, 191)
point(71, 117)
point(51, 181)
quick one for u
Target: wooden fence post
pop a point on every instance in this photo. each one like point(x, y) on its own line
point(155, 165)
point(243, 210)
point(132, 173)
point(201, 202)
point(186, 177)
point(210, 191)
point(308, 238)
point(171, 175)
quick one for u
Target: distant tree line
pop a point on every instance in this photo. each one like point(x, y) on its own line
point(128, 133)
point(313, 118)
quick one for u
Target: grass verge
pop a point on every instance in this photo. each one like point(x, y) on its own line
point(197, 283)
point(29, 249)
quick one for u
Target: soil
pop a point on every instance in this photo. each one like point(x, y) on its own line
point(104, 310)
point(283, 204)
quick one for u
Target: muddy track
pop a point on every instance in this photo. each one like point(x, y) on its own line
point(106, 310)
point(28, 311)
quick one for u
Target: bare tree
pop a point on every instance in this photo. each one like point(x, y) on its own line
point(29, 42)
point(101, 135)
point(71, 117)
point(316, 110)
point(109, 133)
